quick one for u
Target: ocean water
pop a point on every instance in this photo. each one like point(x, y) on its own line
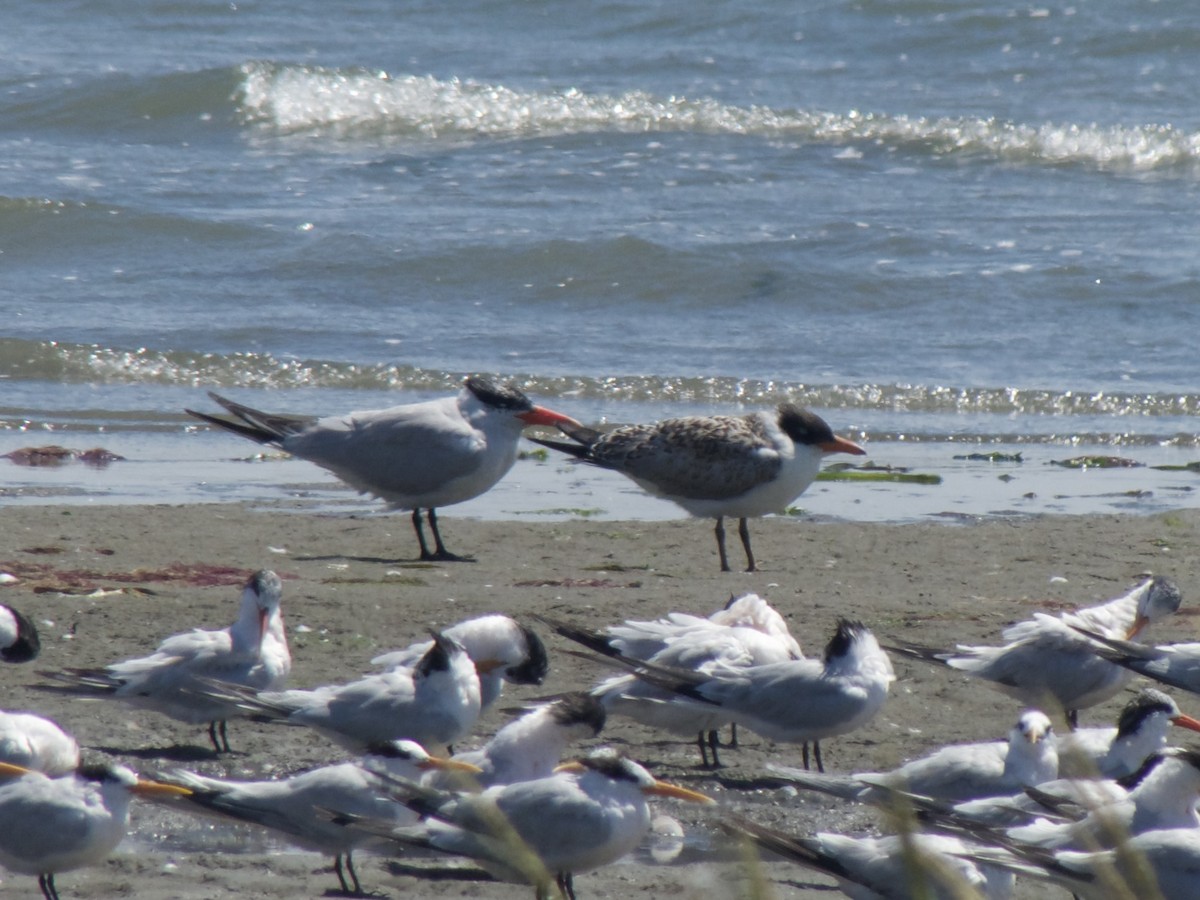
point(949, 227)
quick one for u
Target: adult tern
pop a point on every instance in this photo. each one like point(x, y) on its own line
point(799, 701)
point(1046, 663)
point(746, 632)
point(295, 806)
point(532, 745)
point(502, 649)
point(252, 653)
point(434, 703)
point(884, 868)
point(1177, 665)
point(52, 825)
point(19, 640)
point(589, 813)
point(419, 456)
point(1114, 752)
point(954, 773)
point(716, 466)
point(34, 742)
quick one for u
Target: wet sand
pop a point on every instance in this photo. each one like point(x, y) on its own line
point(106, 584)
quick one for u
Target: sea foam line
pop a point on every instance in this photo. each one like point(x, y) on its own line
point(291, 98)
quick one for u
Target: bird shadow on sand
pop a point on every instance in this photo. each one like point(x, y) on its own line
point(410, 563)
point(186, 753)
point(438, 872)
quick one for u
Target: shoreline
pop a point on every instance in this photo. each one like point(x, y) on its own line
point(108, 583)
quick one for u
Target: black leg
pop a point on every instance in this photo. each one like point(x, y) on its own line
point(817, 756)
point(733, 740)
point(358, 891)
point(702, 743)
point(420, 530)
point(337, 869)
point(46, 883)
point(744, 534)
point(719, 531)
point(212, 736)
point(713, 743)
point(804, 755)
point(1072, 719)
point(224, 737)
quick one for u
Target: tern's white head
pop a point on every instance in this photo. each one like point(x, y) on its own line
point(1032, 755)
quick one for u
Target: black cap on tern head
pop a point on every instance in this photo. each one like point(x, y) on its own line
point(803, 426)
point(532, 669)
point(437, 657)
point(847, 633)
point(579, 708)
point(1145, 704)
point(27, 644)
point(498, 397)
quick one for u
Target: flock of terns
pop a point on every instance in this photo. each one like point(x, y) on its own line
point(1103, 812)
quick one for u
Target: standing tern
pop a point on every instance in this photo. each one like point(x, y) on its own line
point(52, 825)
point(295, 806)
point(589, 813)
point(434, 703)
point(19, 640)
point(892, 867)
point(800, 701)
point(252, 652)
point(32, 742)
point(1115, 752)
point(419, 456)
point(716, 466)
point(953, 773)
point(531, 746)
point(502, 649)
point(1047, 664)
point(747, 632)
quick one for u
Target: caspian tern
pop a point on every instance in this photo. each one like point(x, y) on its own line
point(531, 746)
point(502, 649)
point(954, 773)
point(32, 742)
point(19, 640)
point(884, 868)
point(434, 703)
point(1116, 752)
point(1047, 664)
point(716, 466)
point(419, 456)
point(800, 701)
point(747, 632)
point(586, 815)
point(252, 653)
point(295, 806)
point(52, 825)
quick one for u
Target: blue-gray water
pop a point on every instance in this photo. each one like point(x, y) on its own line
point(946, 226)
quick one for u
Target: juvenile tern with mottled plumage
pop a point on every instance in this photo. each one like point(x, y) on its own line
point(716, 466)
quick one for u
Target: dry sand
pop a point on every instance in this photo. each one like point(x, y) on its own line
point(108, 583)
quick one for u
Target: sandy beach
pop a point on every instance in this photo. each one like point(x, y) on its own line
point(109, 583)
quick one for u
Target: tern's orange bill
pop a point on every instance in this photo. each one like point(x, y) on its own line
point(842, 445)
point(539, 415)
point(1186, 722)
point(450, 765)
point(147, 788)
point(664, 789)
